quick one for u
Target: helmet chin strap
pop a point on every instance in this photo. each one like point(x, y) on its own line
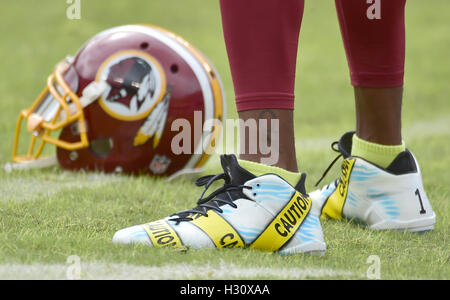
point(185, 173)
point(40, 163)
point(91, 93)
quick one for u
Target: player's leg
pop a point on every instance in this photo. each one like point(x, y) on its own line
point(379, 114)
point(262, 39)
point(259, 206)
point(380, 182)
point(279, 136)
point(374, 40)
point(378, 135)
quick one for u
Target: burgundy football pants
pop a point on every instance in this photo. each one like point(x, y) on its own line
point(261, 37)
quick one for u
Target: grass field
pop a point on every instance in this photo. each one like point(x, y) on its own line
point(49, 215)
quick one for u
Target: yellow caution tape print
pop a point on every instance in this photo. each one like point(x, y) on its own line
point(162, 235)
point(334, 205)
point(219, 230)
point(284, 225)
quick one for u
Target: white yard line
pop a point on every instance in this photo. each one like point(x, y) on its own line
point(105, 271)
point(29, 189)
point(414, 131)
point(423, 129)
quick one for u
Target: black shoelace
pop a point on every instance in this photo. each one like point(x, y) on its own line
point(331, 165)
point(211, 201)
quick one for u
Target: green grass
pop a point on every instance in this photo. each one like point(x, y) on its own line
point(48, 215)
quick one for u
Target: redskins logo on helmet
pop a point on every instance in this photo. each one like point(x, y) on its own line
point(111, 106)
point(136, 83)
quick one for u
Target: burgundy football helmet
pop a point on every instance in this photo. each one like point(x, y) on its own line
point(111, 106)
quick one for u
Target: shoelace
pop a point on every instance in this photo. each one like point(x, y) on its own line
point(210, 202)
point(331, 165)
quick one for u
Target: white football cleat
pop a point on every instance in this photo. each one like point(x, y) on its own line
point(264, 213)
point(391, 198)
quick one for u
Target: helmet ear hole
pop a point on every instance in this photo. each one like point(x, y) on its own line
point(144, 45)
point(174, 68)
point(101, 147)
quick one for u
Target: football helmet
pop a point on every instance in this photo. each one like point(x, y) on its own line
point(110, 108)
